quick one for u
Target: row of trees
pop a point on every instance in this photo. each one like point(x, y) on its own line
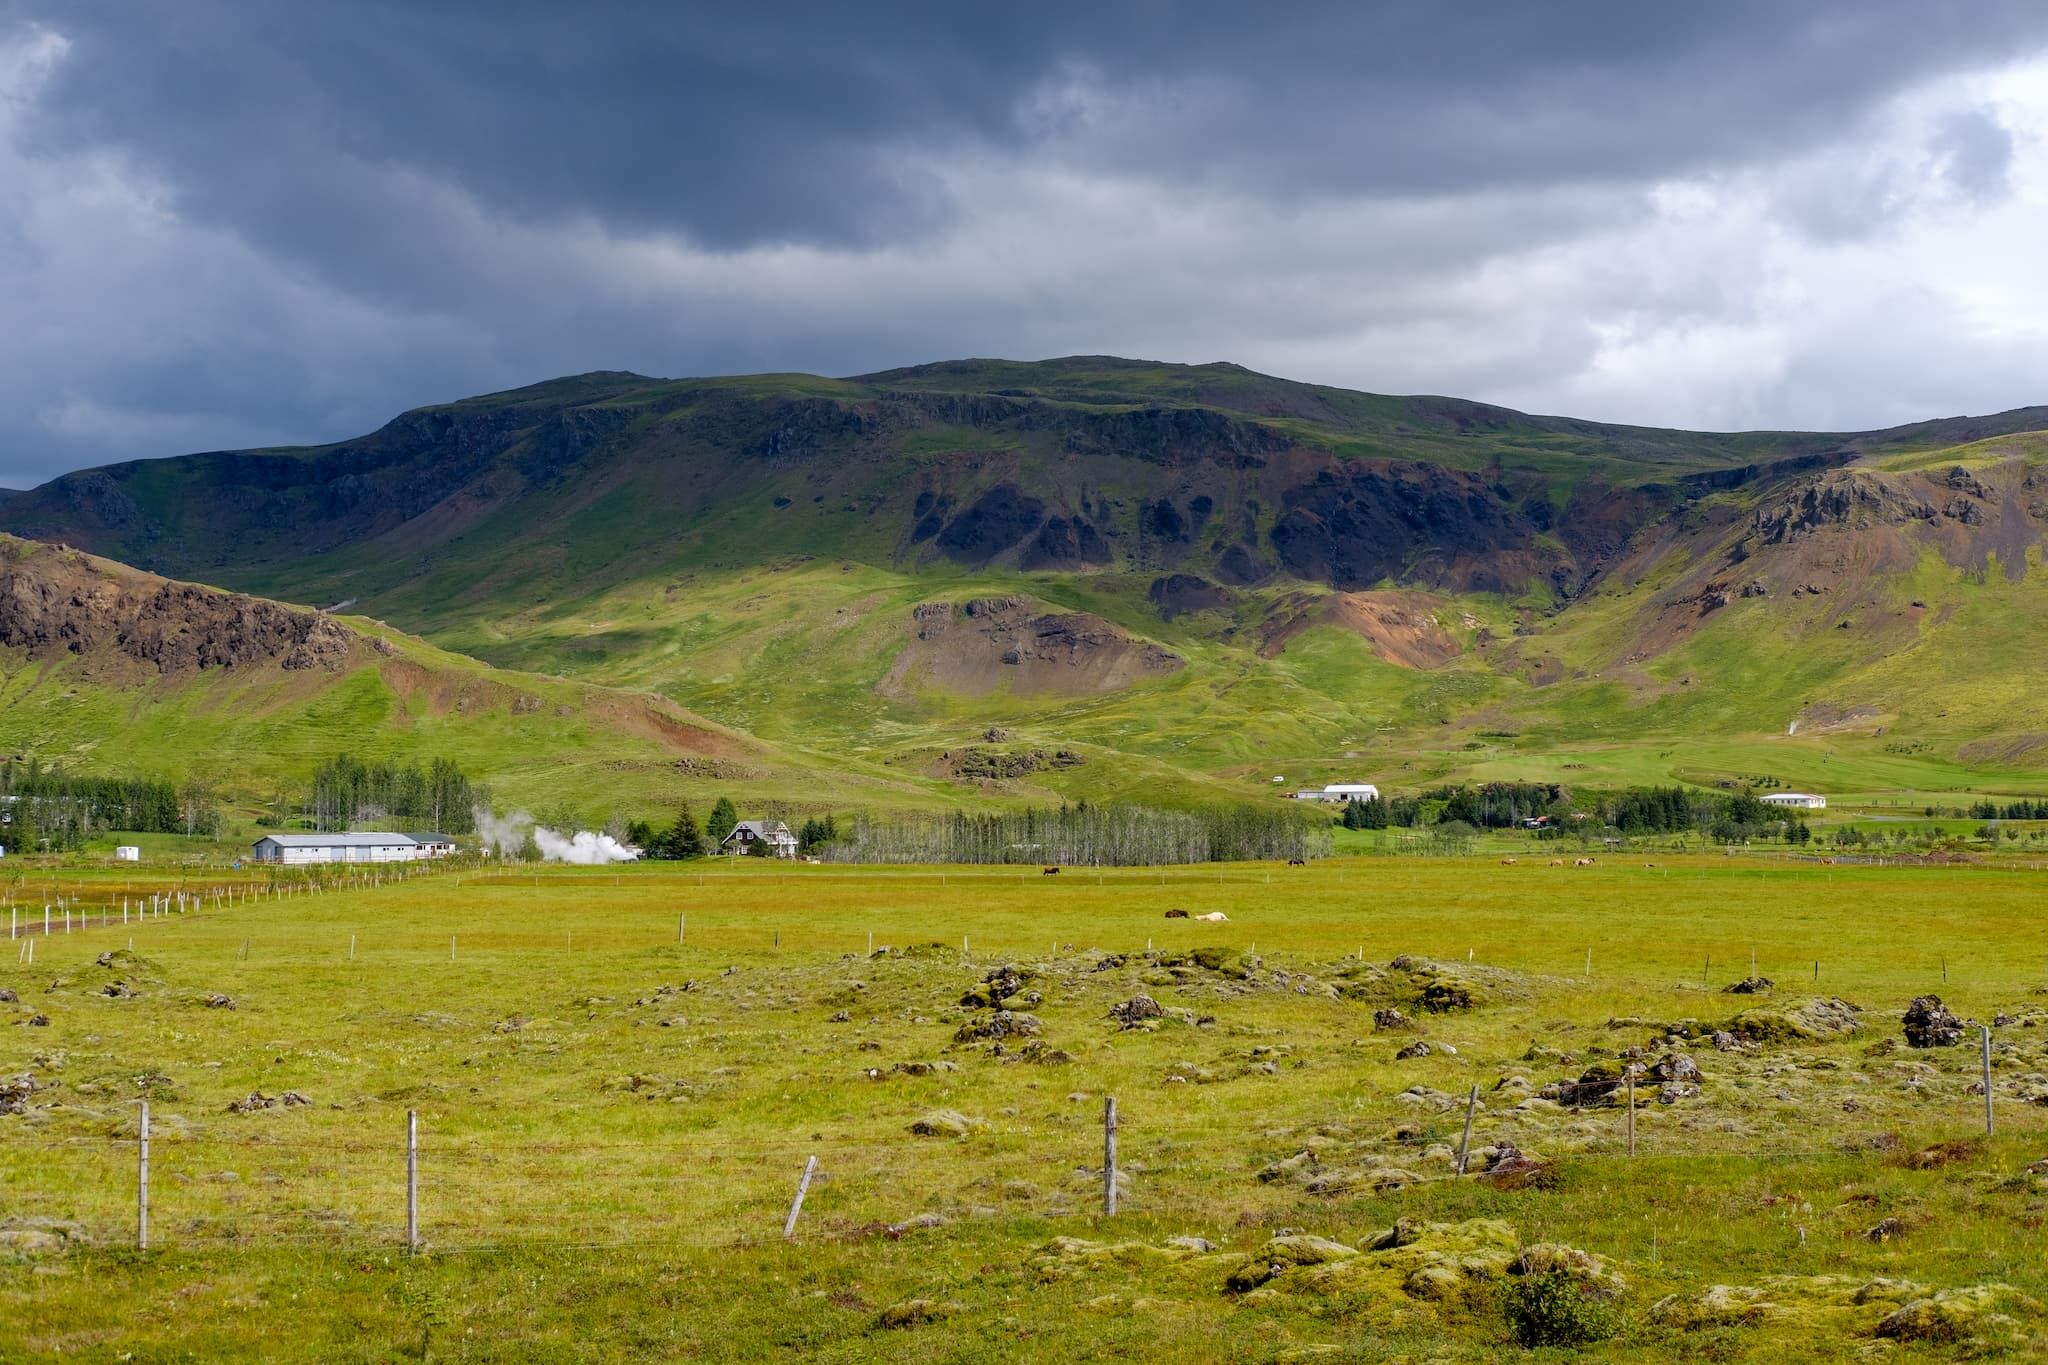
point(2011, 810)
point(1726, 817)
point(1404, 812)
point(47, 809)
point(686, 839)
point(1115, 835)
point(347, 791)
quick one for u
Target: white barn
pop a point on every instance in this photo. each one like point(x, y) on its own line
point(1340, 792)
point(1796, 800)
point(366, 847)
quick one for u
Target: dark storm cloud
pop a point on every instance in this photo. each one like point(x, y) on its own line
point(783, 122)
point(281, 219)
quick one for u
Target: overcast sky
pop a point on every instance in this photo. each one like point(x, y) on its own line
point(242, 222)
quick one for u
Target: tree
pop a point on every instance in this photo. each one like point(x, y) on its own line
point(684, 839)
point(723, 818)
point(1370, 813)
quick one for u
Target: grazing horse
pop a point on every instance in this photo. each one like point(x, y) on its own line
point(1297, 862)
point(1507, 862)
point(1176, 913)
point(1051, 872)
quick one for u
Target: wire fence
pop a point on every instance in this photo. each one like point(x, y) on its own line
point(162, 1182)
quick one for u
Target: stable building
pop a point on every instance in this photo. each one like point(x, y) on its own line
point(432, 845)
point(1796, 800)
point(748, 834)
point(1341, 792)
point(367, 847)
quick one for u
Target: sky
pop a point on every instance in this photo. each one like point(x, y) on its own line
point(227, 224)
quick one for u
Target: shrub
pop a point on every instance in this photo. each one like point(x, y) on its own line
point(1555, 1308)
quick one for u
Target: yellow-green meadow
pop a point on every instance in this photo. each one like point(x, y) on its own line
point(619, 1075)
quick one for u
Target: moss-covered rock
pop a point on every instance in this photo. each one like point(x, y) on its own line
point(1817, 1020)
point(25, 1239)
point(1282, 1254)
point(946, 1123)
point(1065, 1257)
point(1415, 1264)
point(1820, 1307)
point(1981, 1314)
point(1721, 1305)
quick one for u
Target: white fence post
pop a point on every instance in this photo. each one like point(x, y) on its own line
point(803, 1187)
point(412, 1180)
point(142, 1184)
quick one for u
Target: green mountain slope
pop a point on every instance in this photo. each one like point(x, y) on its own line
point(1191, 578)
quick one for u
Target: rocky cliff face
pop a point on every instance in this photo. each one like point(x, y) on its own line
point(1075, 466)
point(56, 603)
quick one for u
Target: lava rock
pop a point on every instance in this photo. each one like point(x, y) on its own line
point(1929, 1023)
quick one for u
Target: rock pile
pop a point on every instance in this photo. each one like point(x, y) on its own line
point(1929, 1023)
point(1133, 1012)
point(258, 1101)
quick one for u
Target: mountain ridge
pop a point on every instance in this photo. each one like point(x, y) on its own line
point(1406, 580)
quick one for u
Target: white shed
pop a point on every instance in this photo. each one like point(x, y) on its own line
point(127, 853)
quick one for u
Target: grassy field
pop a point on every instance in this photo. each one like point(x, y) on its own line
point(613, 1121)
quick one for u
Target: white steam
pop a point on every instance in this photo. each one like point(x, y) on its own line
point(581, 847)
point(507, 836)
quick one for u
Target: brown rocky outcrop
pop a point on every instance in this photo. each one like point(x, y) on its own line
point(991, 644)
point(56, 602)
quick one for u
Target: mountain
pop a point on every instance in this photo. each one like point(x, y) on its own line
point(1194, 575)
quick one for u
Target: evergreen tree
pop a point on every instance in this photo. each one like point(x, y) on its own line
point(723, 818)
point(685, 840)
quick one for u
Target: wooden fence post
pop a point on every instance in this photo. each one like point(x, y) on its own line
point(803, 1187)
point(142, 1184)
point(1465, 1142)
point(1987, 1081)
point(1630, 1072)
point(1109, 1156)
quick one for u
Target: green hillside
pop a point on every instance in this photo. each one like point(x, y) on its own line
point(922, 584)
point(105, 669)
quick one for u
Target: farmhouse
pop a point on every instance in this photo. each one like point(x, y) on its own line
point(370, 847)
point(432, 845)
point(1796, 800)
point(1340, 792)
point(746, 834)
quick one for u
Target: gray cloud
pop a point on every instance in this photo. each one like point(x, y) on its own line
point(229, 223)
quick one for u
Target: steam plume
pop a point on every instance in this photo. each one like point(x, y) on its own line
point(507, 836)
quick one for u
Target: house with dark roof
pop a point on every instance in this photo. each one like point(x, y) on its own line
point(773, 835)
